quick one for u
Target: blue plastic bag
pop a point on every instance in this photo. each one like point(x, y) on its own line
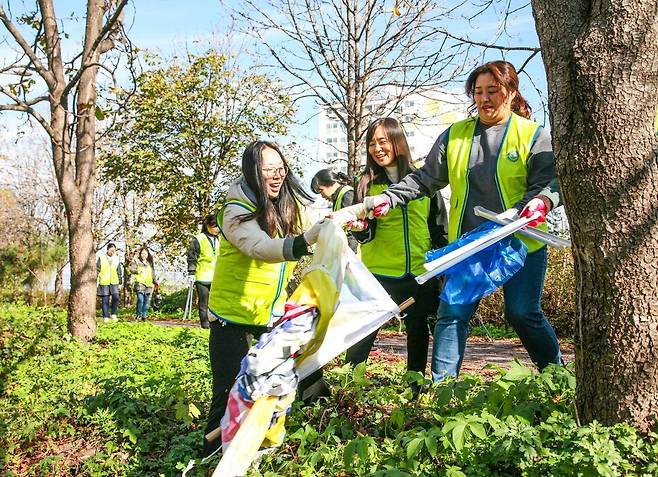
point(480, 274)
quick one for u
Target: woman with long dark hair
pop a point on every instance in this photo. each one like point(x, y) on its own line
point(501, 160)
point(144, 273)
point(393, 247)
point(262, 225)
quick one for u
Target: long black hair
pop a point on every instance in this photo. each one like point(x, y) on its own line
point(398, 140)
point(326, 178)
point(149, 258)
point(282, 214)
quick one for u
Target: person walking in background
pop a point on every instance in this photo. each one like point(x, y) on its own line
point(335, 187)
point(201, 258)
point(262, 225)
point(501, 160)
point(110, 276)
point(144, 273)
point(393, 247)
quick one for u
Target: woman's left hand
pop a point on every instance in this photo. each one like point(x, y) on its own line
point(535, 208)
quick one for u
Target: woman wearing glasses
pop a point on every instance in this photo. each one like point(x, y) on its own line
point(262, 224)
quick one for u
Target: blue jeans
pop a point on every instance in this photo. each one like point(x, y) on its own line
point(522, 311)
point(105, 301)
point(142, 305)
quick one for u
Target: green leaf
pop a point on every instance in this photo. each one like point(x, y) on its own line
point(458, 435)
point(431, 444)
point(414, 447)
point(99, 113)
point(518, 372)
point(478, 429)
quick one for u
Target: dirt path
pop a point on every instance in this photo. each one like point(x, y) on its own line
point(479, 351)
point(392, 346)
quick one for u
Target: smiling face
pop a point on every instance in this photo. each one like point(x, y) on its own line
point(493, 101)
point(274, 172)
point(380, 148)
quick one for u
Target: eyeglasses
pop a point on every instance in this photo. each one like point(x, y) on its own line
point(273, 172)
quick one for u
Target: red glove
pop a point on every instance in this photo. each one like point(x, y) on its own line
point(535, 208)
point(379, 204)
point(357, 225)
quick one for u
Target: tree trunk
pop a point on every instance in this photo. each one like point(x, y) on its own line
point(59, 285)
point(601, 62)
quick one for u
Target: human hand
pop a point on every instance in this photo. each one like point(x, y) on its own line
point(311, 235)
point(357, 225)
point(536, 209)
point(379, 204)
point(191, 279)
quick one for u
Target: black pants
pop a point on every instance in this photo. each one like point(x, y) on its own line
point(418, 335)
point(203, 291)
point(227, 346)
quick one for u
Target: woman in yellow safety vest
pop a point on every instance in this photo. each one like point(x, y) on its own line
point(393, 247)
point(262, 225)
point(335, 187)
point(201, 258)
point(142, 268)
point(501, 160)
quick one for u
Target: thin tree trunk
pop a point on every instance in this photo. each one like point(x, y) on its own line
point(59, 285)
point(601, 65)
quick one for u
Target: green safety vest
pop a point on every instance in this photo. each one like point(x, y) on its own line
point(511, 169)
point(339, 199)
point(401, 239)
point(205, 265)
point(144, 274)
point(109, 272)
point(245, 290)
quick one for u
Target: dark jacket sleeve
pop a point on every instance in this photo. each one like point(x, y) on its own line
point(98, 265)
point(541, 172)
point(428, 179)
point(437, 222)
point(193, 252)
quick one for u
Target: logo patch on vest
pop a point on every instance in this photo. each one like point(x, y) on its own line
point(512, 156)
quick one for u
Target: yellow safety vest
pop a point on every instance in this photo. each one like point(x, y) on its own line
point(109, 272)
point(339, 199)
point(246, 290)
point(511, 169)
point(401, 239)
point(144, 274)
point(205, 265)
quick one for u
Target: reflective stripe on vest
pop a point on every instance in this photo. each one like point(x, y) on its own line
point(144, 274)
point(339, 199)
point(402, 238)
point(245, 290)
point(511, 169)
point(109, 272)
point(205, 265)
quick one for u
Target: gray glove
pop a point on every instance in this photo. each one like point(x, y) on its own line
point(379, 204)
point(191, 279)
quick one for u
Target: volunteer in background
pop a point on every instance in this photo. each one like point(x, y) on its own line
point(201, 258)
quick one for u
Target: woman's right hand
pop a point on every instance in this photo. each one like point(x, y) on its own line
point(311, 235)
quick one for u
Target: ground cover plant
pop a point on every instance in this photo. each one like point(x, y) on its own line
point(133, 402)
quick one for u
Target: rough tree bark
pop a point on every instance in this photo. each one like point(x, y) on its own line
point(601, 60)
point(74, 160)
